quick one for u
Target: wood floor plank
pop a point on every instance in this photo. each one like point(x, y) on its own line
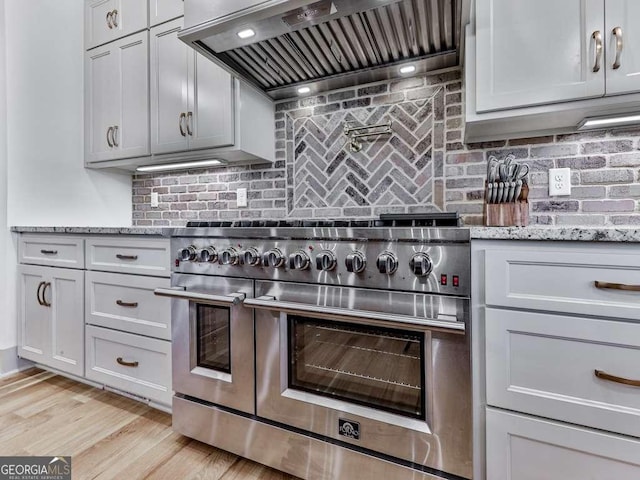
point(19, 376)
point(107, 435)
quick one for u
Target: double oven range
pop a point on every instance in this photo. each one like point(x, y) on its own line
point(327, 350)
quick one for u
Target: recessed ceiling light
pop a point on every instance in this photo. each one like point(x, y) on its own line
point(303, 90)
point(248, 33)
point(407, 69)
point(610, 121)
point(179, 166)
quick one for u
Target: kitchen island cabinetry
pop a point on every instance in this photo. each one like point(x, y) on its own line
point(557, 344)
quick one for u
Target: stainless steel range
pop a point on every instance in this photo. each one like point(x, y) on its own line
point(327, 350)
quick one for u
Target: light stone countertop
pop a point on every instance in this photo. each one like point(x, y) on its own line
point(579, 234)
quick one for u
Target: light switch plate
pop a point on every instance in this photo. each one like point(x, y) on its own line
point(559, 181)
point(242, 197)
point(154, 200)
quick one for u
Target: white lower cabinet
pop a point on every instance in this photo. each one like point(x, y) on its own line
point(51, 312)
point(520, 447)
point(132, 363)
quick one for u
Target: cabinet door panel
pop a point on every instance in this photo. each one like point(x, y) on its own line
point(623, 14)
point(97, 29)
point(126, 17)
point(132, 136)
point(169, 77)
point(538, 52)
point(161, 11)
point(211, 105)
point(66, 296)
point(34, 328)
point(101, 93)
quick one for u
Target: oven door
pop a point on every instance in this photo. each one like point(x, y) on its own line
point(212, 339)
point(385, 371)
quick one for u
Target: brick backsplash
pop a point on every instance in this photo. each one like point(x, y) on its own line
point(422, 166)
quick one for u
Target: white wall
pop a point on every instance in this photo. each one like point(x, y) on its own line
point(42, 178)
point(48, 184)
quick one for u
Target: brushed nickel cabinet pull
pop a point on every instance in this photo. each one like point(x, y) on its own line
point(616, 286)
point(109, 19)
point(109, 131)
point(180, 122)
point(38, 297)
point(44, 292)
point(114, 18)
point(127, 304)
point(49, 252)
point(617, 32)
point(113, 136)
point(612, 378)
point(126, 257)
point(597, 37)
point(189, 123)
point(126, 364)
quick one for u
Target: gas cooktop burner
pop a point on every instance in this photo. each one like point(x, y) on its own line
point(386, 220)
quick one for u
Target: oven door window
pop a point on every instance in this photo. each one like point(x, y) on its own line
point(213, 349)
point(373, 366)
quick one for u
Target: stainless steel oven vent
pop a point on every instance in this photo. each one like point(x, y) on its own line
point(340, 47)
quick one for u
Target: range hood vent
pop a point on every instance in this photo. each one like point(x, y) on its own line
point(328, 44)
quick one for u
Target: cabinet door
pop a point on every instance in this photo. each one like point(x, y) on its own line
point(161, 11)
point(530, 53)
point(210, 119)
point(622, 33)
point(108, 20)
point(101, 93)
point(65, 295)
point(34, 328)
point(169, 78)
point(132, 133)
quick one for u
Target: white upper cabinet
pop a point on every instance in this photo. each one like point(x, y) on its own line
point(108, 20)
point(192, 99)
point(117, 99)
point(161, 11)
point(536, 52)
point(622, 34)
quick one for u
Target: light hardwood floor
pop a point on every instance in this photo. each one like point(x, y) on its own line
point(107, 436)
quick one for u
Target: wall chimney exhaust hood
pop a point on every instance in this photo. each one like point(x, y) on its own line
point(287, 47)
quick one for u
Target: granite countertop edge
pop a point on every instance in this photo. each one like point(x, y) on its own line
point(533, 233)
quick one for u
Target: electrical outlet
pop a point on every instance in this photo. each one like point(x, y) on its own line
point(154, 200)
point(241, 197)
point(559, 181)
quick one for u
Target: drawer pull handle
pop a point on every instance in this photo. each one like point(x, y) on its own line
point(126, 364)
point(612, 378)
point(44, 292)
point(126, 257)
point(49, 252)
point(616, 286)
point(127, 304)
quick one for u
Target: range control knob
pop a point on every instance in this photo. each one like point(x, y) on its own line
point(421, 264)
point(250, 257)
point(387, 263)
point(207, 255)
point(299, 260)
point(326, 261)
point(273, 258)
point(187, 254)
point(355, 262)
point(228, 256)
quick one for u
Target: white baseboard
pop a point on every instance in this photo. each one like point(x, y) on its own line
point(10, 363)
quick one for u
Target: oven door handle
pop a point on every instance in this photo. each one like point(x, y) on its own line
point(205, 298)
point(355, 316)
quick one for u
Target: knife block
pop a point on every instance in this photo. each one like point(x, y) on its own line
point(515, 214)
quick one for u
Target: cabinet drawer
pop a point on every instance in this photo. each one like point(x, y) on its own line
point(52, 250)
point(545, 365)
point(127, 302)
point(132, 363)
point(563, 279)
point(146, 256)
point(108, 20)
point(524, 448)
